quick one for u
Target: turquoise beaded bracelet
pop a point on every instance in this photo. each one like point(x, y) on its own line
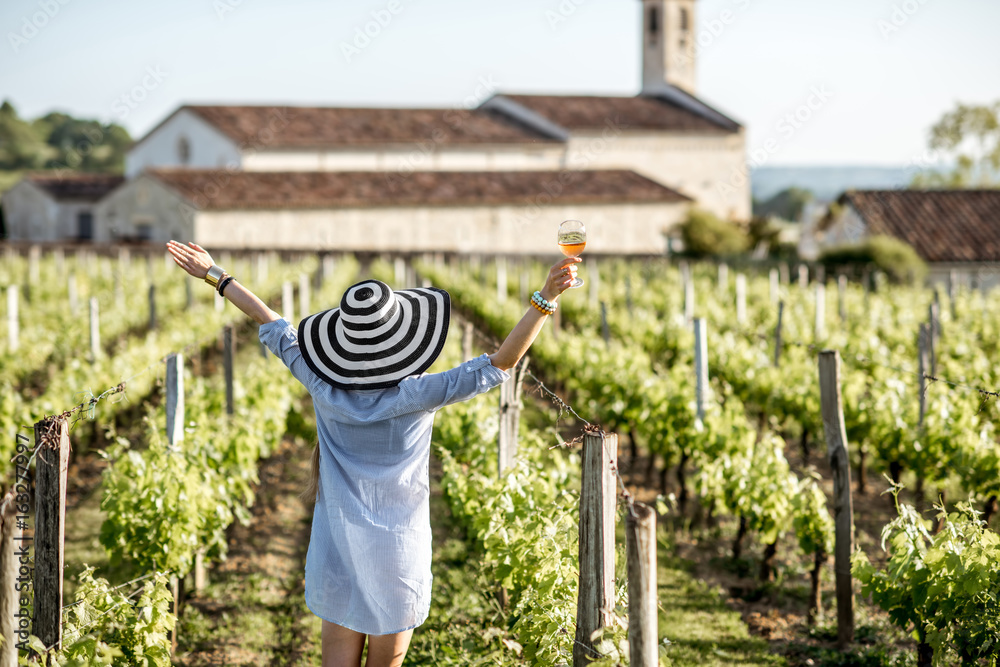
point(545, 305)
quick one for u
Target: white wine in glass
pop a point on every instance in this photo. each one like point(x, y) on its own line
point(572, 239)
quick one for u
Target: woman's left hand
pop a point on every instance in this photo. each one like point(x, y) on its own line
point(191, 257)
point(561, 275)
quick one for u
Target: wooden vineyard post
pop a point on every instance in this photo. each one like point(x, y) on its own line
point(227, 366)
point(501, 279)
point(640, 545)
point(467, 341)
point(701, 366)
point(73, 294)
point(723, 278)
point(175, 399)
point(842, 297)
point(689, 299)
point(820, 324)
point(510, 415)
point(597, 542)
point(593, 279)
point(288, 301)
point(843, 507)
point(934, 332)
point(304, 300)
point(741, 298)
point(51, 464)
point(922, 365)
point(605, 329)
point(95, 329)
point(777, 335)
point(13, 319)
point(784, 271)
point(152, 307)
point(10, 542)
point(803, 276)
point(773, 286)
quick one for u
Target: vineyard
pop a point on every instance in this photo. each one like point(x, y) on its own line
point(701, 391)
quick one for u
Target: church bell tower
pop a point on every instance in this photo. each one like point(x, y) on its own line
point(669, 49)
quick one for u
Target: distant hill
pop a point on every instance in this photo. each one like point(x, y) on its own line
point(826, 183)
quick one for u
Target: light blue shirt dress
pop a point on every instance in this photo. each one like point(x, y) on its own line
point(368, 567)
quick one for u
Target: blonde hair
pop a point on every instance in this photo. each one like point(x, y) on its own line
point(308, 494)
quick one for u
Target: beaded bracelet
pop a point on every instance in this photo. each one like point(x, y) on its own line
point(541, 305)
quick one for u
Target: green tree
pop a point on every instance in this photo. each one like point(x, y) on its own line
point(20, 145)
point(970, 136)
point(787, 204)
point(705, 234)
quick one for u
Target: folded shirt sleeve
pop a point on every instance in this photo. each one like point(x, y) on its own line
point(434, 391)
point(283, 340)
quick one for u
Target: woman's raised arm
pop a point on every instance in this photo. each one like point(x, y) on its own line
point(524, 332)
point(196, 261)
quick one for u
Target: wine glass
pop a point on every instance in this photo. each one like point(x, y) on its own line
point(572, 239)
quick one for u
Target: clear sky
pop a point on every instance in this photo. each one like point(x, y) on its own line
point(886, 68)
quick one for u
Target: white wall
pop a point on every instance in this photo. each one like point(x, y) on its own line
point(695, 165)
point(405, 159)
point(210, 149)
point(613, 228)
point(143, 201)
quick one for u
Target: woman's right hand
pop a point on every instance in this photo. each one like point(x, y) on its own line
point(561, 275)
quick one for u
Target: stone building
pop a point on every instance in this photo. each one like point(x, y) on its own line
point(531, 148)
point(49, 206)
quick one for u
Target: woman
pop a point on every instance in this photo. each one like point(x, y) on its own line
point(368, 565)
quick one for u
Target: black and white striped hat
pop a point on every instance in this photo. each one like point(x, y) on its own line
point(377, 337)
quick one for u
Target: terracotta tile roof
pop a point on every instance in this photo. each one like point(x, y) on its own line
point(579, 112)
point(76, 186)
point(327, 189)
point(328, 127)
point(941, 225)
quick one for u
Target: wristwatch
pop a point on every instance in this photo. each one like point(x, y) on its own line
point(214, 275)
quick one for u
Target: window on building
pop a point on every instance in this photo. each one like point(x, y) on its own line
point(85, 226)
point(144, 232)
point(183, 150)
point(653, 27)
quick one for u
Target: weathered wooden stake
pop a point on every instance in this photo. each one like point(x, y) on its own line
point(701, 366)
point(593, 280)
point(803, 276)
point(689, 300)
point(820, 324)
point(843, 507)
point(934, 333)
point(51, 464)
point(227, 366)
point(784, 271)
point(95, 329)
point(288, 301)
point(842, 297)
point(923, 343)
point(175, 399)
point(723, 278)
point(13, 319)
point(605, 329)
point(152, 307)
point(741, 298)
point(467, 341)
point(34, 254)
point(640, 545)
point(501, 279)
point(73, 294)
point(11, 553)
point(596, 602)
point(774, 290)
point(304, 300)
point(777, 335)
point(510, 415)
point(200, 575)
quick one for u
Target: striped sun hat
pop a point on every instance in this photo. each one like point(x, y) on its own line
point(377, 336)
